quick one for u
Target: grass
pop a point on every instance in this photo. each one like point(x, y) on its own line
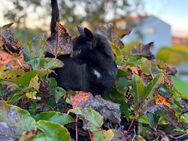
point(181, 86)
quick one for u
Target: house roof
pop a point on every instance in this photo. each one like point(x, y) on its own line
point(130, 19)
point(180, 37)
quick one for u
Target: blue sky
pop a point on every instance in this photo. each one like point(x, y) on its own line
point(174, 12)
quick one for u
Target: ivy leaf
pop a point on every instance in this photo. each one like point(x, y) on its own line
point(52, 131)
point(55, 117)
point(14, 120)
point(103, 135)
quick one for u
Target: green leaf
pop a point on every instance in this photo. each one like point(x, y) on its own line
point(124, 109)
point(77, 111)
point(93, 119)
point(2, 92)
point(153, 85)
point(145, 65)
point(121, 84)
point(25, 79)
point(142, 93)
point(35, 48)
point(118, 97)
point(58, 93)
point(10, 74)
point(55, 117)
point(138, 138)
point(118, 53)
point(15, 97)
point(139, 90)
point(34, 83)
point(121, 73)
point(103, 135)
point(52, 131)
point(52, 83)
point(153, 118)
point(46, 63)
point(115, 50)
point(14, 120)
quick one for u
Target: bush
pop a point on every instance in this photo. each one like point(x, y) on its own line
point(172, 56)
point(143, 105)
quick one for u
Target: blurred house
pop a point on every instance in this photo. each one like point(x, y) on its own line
point(180, 40)
point(147, 29)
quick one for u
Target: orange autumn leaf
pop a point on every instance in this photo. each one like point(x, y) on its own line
point(6, 58)
point(160, 100)
point(80, 98)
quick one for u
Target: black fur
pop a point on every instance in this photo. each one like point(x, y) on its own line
point(54, 16)
point(96, 54)
point(92, 67)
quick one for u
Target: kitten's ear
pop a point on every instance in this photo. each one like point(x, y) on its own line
point(80, 30)
point(88, 33)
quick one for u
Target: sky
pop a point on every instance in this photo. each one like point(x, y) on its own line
point(174, 12)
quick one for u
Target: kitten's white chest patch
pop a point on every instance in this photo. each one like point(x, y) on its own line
point(96, 73)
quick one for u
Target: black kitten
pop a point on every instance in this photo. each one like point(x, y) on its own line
point(94, 51)
point(92, 67)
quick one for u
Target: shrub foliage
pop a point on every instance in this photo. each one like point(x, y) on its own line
point(143, 105)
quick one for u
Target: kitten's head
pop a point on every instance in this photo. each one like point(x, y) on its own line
point(89, 46)
point(83, 45)
point(85, 41)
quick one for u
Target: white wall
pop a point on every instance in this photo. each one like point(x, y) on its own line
point(154, 30)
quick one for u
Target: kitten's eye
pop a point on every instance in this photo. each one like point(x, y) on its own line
point(76, 52)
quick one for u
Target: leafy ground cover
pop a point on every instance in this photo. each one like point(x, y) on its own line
point(143, 105)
